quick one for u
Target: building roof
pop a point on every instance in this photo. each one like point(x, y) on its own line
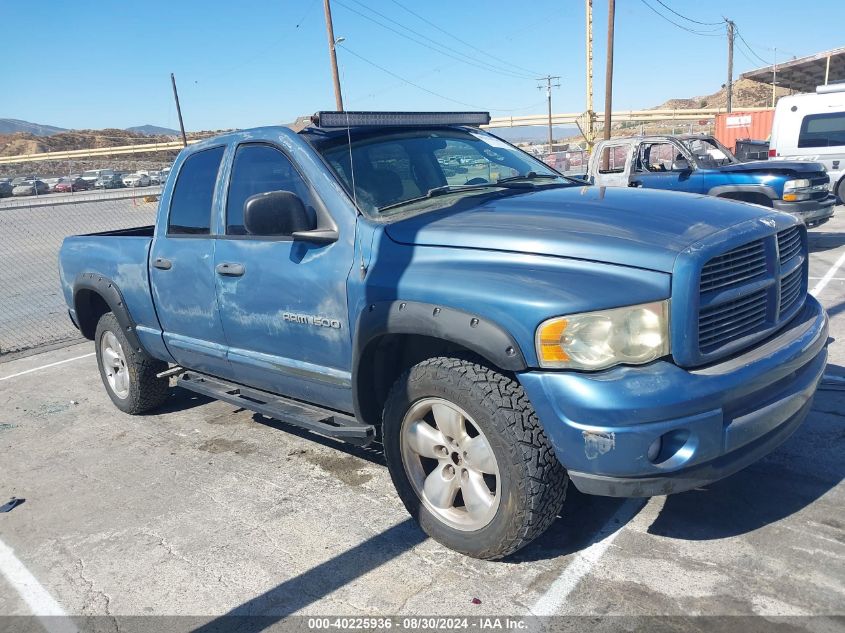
point(805, 73)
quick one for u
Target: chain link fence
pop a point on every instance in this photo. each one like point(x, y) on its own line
point(32, 308)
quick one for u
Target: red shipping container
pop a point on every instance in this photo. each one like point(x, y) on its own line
point(736, 125)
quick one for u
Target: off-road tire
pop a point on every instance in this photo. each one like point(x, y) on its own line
point(532, 481)
point(146, 392)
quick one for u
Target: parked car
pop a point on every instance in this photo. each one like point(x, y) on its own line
point(51, 183)
point(68, 185)
point(113, 181)
point(136, 180)
point(5, 188)
point(155, 177)
point(700, 164)
point(22, 179)
point(504, 336)
point(746, 149)
point(92, 175)
point(812, 127)
point(30, 188)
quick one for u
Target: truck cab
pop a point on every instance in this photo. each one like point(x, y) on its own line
point(501, 330)
point(700, 164)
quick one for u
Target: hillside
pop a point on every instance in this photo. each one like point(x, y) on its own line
point(153, 130)
point(27, 143)
point(11, 126)
point(746, 94)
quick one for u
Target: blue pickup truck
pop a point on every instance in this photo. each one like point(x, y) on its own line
point(499, 329)
point(696, 163)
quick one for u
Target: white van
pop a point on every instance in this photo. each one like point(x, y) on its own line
point(812, 127)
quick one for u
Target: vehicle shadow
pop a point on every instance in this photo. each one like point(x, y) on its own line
point(797, 474)
point(310, 586)
point(824, 240)
point(180, 400)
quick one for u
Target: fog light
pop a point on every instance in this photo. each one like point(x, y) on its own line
point(654, 449)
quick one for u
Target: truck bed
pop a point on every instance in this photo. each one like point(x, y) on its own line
point(120, 257)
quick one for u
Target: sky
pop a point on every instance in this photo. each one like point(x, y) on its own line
point(247, 63)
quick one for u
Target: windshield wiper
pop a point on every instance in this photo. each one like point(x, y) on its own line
point(531, 175)
point(444, 189)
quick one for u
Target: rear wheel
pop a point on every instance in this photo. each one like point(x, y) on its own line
point(840, 191)
point(469, 459)
point(128, 376)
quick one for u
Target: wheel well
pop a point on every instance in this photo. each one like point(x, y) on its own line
point(748, 196)
point(386, 357)
point(90, 306)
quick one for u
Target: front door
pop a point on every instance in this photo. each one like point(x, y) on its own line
point(182, 268)
point(283, 302)
point(664, 165)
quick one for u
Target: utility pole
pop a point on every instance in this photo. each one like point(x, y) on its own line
point(729, 86)
point(179, 111)
point(549, 86)
point(338, 98)
point(590, 136)
point(608, 79)
point(774, 75)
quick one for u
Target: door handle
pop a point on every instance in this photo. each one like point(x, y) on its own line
point(635, 183)
point(162, 264)
point(230, 270)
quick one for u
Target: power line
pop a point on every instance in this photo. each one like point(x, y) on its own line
point(424, 89)
point(462, 41)
point(667, 7)
point(750, 50)
point(711, 33)
point(465, 59)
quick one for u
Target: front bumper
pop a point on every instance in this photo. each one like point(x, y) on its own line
point(808, 211)
point(714, 420)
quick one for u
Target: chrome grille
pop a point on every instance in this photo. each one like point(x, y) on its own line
point(734, 267)
point(729, 321)
point(750, 291)
point(790, 289)
point(789, 244)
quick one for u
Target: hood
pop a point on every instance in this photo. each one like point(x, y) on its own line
point(632, 227)
point(774, 166)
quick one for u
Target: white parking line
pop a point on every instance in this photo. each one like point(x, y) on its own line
point(34, 369)
point(38, 599)
point(584, 561)
point(828, 276)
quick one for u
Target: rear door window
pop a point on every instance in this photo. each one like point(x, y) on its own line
point(822, 130)
point(190, 205)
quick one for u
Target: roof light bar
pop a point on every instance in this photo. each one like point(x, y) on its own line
point(354, 119)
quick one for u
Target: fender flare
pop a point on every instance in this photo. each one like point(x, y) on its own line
point(109, 291)
point(766, 190)
point(474, 332)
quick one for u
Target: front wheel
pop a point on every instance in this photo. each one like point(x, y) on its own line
point(469, 459)
point(128, 375)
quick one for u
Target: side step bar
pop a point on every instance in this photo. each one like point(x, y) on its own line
point(307, 416)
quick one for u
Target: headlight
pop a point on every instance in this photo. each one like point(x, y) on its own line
point(596, 340)
point(793, 185)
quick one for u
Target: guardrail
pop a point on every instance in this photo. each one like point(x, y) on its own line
point(570, 118)
point(567, 118)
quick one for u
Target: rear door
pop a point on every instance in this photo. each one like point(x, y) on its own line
point(182, 267)
point(283, 303)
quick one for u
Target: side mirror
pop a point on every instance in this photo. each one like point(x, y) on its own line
point(276, 213)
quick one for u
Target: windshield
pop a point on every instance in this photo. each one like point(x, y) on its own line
point(395, 169)
point(709, 153)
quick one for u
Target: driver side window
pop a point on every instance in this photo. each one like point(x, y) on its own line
point(260, 168)
point(660, 157)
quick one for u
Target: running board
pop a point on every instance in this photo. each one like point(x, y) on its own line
point(307, 416)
